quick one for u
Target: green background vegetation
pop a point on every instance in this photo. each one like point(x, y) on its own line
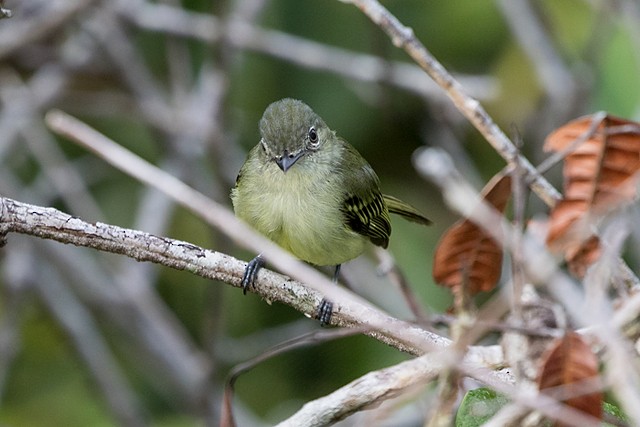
point(46, 383)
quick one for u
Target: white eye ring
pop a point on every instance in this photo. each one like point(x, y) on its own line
point(313, 137)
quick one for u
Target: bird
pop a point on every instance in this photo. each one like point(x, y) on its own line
point(312, 193)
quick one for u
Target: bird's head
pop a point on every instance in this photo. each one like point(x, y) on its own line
point(290, 131)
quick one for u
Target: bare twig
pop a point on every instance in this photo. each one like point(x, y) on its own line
point(60, 173)
point(365, 392)
point(54, 14)
point(558, 83)
point(310, 338)
point(139, 314)
point(52, 224)
point(378, 386)
point(351, 309)
point(300, 51)
point(78, 323)
point(389, 268)
point(185, 115)
point(540, 268)
point(404, 38)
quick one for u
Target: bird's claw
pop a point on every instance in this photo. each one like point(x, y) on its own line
point(325, 310)
point(251, 273)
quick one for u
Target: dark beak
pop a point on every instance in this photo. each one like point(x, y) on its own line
point(287, 160)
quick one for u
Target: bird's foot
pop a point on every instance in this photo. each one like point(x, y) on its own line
point(251, 273)
point(325, 310)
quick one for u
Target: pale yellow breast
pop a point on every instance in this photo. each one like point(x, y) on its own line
point(300, 213)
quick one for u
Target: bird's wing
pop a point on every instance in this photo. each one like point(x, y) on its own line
point(364, 207)
point(367, 215)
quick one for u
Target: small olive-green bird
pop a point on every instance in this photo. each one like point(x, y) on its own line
point(311, 192)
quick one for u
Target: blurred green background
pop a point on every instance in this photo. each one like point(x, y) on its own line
point(170, 82)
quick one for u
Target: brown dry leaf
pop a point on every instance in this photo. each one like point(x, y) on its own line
point(466, 255)
point(598, 178)
point(570, 368)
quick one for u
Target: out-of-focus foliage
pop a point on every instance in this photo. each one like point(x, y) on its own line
point(192, 107)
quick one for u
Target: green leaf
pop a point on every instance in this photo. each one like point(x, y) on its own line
point(478, 406)
point(613, 410)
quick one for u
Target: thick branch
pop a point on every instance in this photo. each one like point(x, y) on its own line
point(367, 391)
point(378, 386)
point(49, 223)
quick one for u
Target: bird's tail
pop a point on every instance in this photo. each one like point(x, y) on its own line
point(405, 210)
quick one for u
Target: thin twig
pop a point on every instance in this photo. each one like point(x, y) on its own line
point(403, 37)
point(559, 84)
point(389, 268)
point(92, 348)
point(541, 268)
point(378, 386)
point(51, 16)
point(366, 391)
point(558, 156)
point(349, 309)
point(300, 51)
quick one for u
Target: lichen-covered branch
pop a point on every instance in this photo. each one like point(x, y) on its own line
point(49, 223)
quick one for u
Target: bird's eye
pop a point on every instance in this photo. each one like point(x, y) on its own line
point(313, 136)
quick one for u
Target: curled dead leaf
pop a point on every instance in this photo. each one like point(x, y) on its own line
point(468, 257)
point(569, 373)
point(600, 171)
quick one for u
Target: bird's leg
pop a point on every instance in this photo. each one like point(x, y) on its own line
point(336, 274)
point(251, 273)
point(325, 309)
